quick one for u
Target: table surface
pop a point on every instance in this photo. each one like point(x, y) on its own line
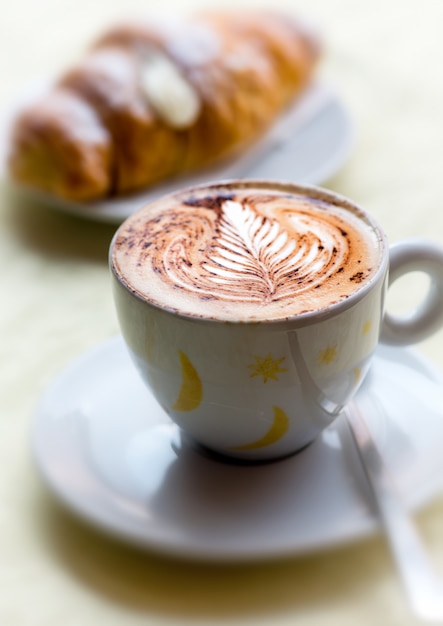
point(384, 58)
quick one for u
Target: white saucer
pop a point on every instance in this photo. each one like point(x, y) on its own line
point(112, 456)
point(307, 145)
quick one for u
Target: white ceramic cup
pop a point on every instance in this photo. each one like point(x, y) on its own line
point(265, 389)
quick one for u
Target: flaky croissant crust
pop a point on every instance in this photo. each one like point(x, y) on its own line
point(97, 132)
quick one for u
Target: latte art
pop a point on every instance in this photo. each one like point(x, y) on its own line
point(252, 258)
point(244, 255)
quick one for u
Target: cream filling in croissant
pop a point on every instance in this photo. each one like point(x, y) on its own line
point(171, 96)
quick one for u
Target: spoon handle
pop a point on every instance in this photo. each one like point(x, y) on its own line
point(424, 589)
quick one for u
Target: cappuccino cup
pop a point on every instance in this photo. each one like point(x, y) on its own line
point(252, 309)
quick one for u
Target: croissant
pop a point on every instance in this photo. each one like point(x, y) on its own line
point(152, 100)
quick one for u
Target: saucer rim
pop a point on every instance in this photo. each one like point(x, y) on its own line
point(101, 523)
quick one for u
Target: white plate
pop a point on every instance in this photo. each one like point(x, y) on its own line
point(307, 145)
point(111, 455)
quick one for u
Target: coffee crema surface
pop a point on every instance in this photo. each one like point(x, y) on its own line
point(245, 253)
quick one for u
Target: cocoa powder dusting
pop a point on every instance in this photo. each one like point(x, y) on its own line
point(358, 277)
point(209, 202)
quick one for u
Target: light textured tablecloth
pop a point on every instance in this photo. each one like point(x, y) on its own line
point(385, 58)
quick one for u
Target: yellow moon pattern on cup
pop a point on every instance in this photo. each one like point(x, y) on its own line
point(191, 391)
point(278, 429)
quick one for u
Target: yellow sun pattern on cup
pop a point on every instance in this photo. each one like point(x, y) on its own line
point(328, 355)
point(191, 390)
point(278, 429)
point(367, 327)
point(268, 367)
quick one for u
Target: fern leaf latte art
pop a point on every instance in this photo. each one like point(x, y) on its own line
point(245, 252)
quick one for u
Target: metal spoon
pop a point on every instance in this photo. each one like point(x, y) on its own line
point(423, 587)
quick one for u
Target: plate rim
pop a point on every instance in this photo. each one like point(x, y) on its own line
point(318, 95)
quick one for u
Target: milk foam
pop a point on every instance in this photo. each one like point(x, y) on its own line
point(245, 253)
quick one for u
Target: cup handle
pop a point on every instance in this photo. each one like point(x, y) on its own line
point(415, 255)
